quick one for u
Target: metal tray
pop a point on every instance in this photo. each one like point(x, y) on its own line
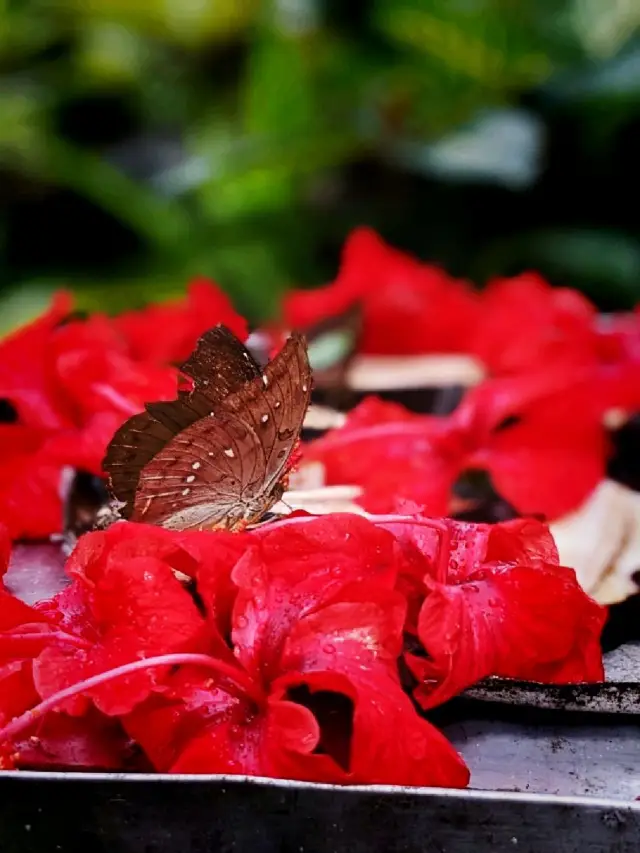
point(619, 694)
point(544, 782)
point(547, 778)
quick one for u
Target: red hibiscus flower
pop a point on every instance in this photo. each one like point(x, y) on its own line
point(90, 742)
point(496, 602)
point(526, 323)
point(70, 386)
point(168, 332)
point(24, 632)
point(540, 438)
point(308, 685)
point(134, 609)
point(408, 307)
point(314, 690)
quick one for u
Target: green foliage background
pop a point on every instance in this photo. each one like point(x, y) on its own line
point(146, 141)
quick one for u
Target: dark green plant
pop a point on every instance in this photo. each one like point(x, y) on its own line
point(145, 141)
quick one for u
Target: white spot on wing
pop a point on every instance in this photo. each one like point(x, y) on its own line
point(191, 478)
point(265, 379)
point(186, 491)
point(229, 452)
point(196, 465)
point(277, 404)
point(304, 388)
point(264, 418)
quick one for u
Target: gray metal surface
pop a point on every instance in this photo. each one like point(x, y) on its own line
point(620, 694)
point(552, 757)
point(96, 814)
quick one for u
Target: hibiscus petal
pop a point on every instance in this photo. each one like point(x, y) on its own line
point(139, 610)
point(84, 743)
point(531, 623)
point(26, 371)
point(182, 322)
point(408, 307)
point(559, 325)
point(298, 567)
point(17, 690)
point(5, 549)
point(401, 457)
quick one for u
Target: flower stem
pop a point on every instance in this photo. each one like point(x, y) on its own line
point(239, 678)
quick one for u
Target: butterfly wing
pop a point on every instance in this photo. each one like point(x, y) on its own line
point(196, 480)
point(274, 407)
point(224, 470)
point(219, 365)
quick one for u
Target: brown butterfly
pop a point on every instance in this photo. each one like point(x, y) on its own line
point(217, 457)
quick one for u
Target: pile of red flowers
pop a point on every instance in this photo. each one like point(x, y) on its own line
point(311, 647)
point(279, 652)
point(557, 373)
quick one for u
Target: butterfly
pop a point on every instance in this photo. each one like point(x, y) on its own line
point(217, 457)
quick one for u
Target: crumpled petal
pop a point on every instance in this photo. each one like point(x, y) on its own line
point(559, 326)
point(525, 622)
point(182, 322)
point(408, 307)
point(89, 743)
point(27, 377)
point(390, 743)
point(274, 594)
point(138, 609)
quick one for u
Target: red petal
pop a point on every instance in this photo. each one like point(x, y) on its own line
point(26, 369)
point(271, 744)
point(187, 551)
point(408, 307)
point(559, 325)
point(14, 612)
point(360, 639)
point(139, 610)
point(5, 549)
point(207, 557)
point(87, 743)
point(392, 454)
point(533, 623)
point(540, 437)
point(182, 322)
point(30, 505)
point(95, 373)
point(17, 691)
point(297, 568)
point(352, 648)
